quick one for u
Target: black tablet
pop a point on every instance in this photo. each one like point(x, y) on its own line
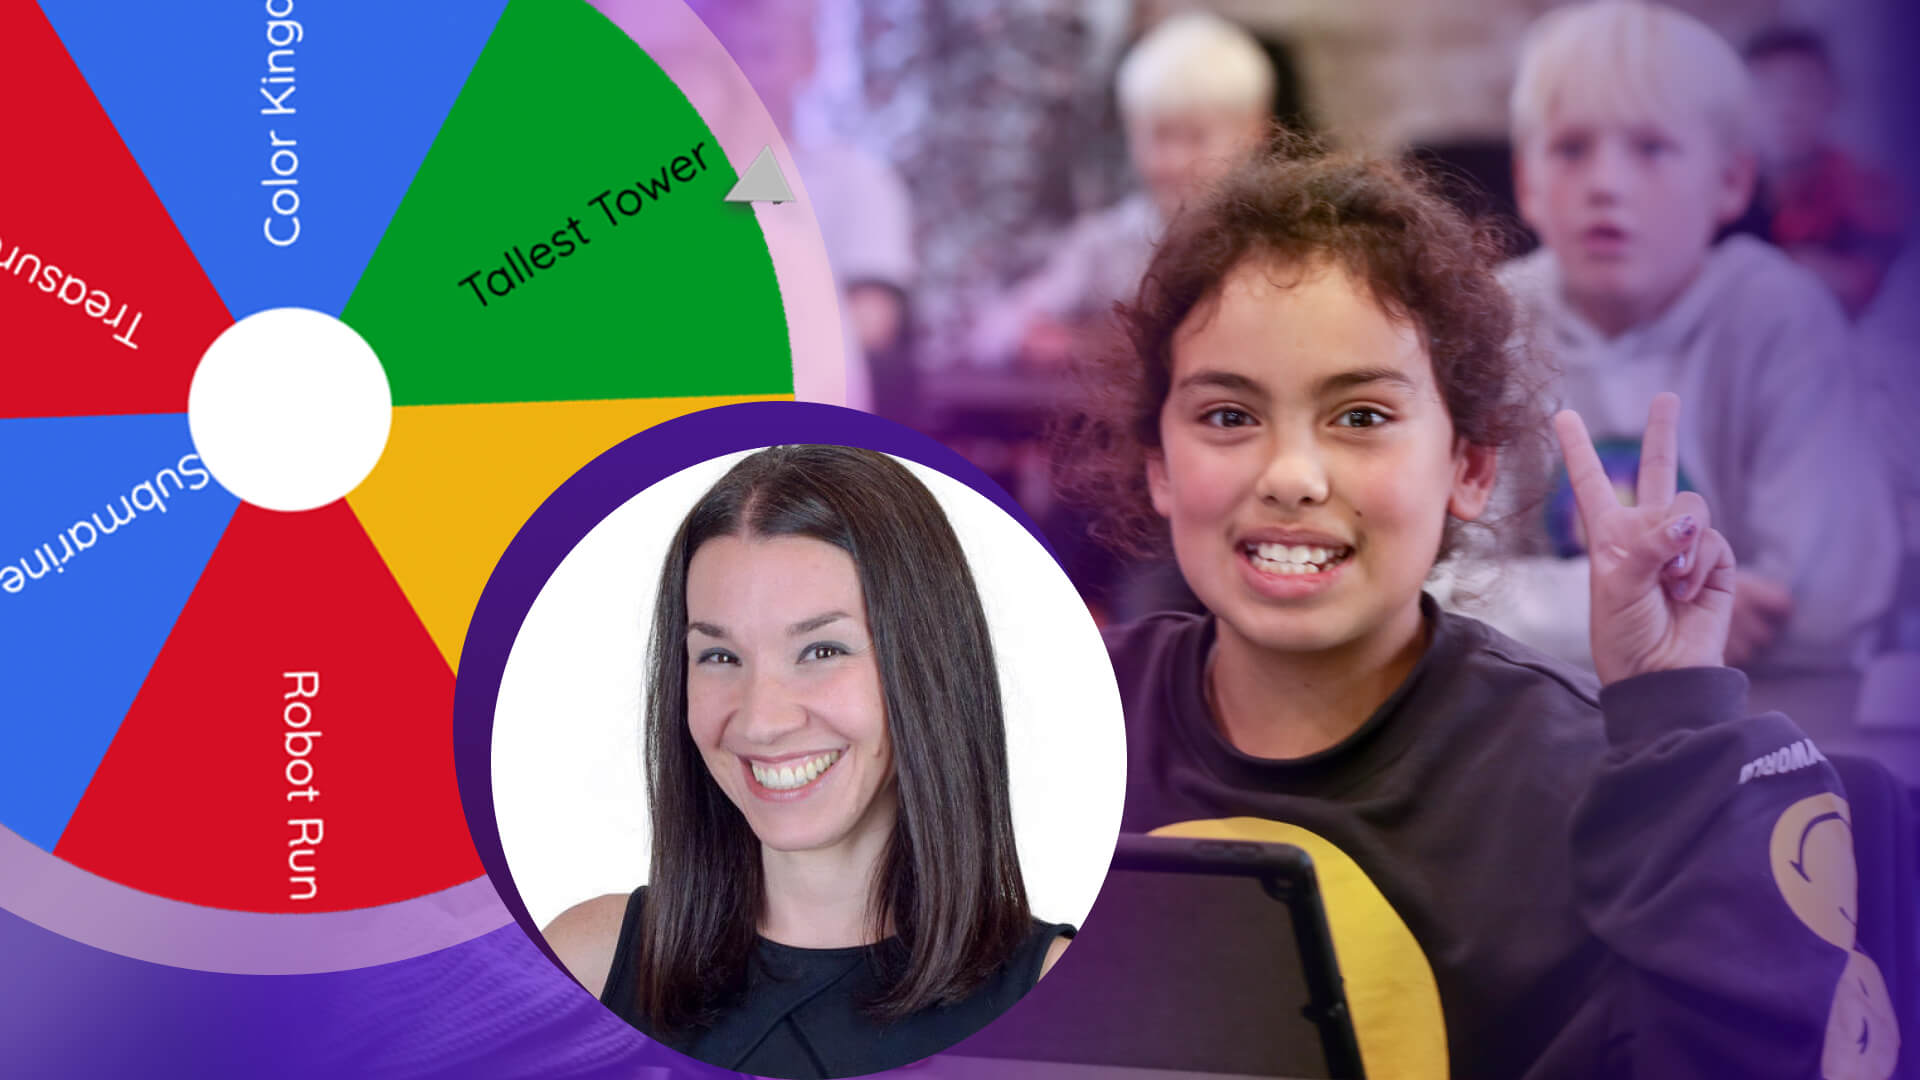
point(1200, 958)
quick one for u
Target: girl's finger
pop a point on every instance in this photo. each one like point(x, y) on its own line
point(1660, 453)
point(1592, 491)
point(1688, 506)
point(1712, 570)
point(1694, 504)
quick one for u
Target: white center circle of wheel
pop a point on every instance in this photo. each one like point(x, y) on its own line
point(290, 409)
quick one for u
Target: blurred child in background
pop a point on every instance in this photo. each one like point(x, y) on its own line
point(861, 203)
point(1634, 145)
point(1846, 220)
point(1196, 97)
point(1825, 207)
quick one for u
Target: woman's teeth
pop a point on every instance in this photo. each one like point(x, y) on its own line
point(794, 773)
point(1296, 558)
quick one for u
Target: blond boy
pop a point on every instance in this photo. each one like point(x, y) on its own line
point(1633, 146)
point(1196, 96)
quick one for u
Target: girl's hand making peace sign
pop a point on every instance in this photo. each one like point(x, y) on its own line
point(1662, 578)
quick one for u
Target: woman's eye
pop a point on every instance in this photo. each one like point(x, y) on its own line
point(1361, 418)
point(1226, 418)
point(716, 656)
point(822, 652)
point(1651, 147)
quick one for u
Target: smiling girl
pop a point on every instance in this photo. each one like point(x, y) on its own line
point(834, 885)
point(1312, 405)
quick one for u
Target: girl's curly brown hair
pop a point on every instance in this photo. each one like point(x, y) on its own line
point(1383, 223)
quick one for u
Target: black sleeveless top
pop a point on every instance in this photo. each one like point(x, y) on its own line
point(800, 1017)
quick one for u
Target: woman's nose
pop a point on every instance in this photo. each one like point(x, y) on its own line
point(768, 708)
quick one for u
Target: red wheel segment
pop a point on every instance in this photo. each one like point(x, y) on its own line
point(291, 750)
point(103, 309)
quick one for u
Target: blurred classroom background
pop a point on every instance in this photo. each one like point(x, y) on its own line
point(989, 176)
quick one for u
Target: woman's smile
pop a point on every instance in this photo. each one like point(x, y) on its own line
point(783, 691)
point(792, 777)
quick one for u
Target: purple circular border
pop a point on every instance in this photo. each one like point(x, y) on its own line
point(572, 511)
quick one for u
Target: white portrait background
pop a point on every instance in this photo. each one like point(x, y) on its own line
point(569, 791)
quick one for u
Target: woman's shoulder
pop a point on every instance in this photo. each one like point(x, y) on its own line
point(1056, 947)
point(1042, 948)
point(586, 937)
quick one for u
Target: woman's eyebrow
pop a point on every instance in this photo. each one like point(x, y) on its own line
point(706, 628)
point(808, 626)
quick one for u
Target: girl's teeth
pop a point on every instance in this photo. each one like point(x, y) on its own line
point(798, 774)
point(1295, 558)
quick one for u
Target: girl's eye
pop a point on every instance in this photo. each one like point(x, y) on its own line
point(1651, 147)
point(716, 656)
point(1226, 418)
point(1361, 418)
point(822, 651)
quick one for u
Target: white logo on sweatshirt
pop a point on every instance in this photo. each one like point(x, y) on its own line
point(1784, 760)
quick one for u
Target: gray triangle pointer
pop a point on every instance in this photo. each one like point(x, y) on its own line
point(763, 182)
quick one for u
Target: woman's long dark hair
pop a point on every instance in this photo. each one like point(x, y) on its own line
point(949, 881)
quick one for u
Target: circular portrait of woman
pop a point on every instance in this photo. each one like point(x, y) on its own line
point(808, 760)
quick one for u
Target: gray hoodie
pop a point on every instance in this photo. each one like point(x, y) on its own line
point(1771, 434)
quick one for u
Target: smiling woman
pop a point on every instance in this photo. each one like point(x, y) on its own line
point(834, 886)
point(789, 714)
